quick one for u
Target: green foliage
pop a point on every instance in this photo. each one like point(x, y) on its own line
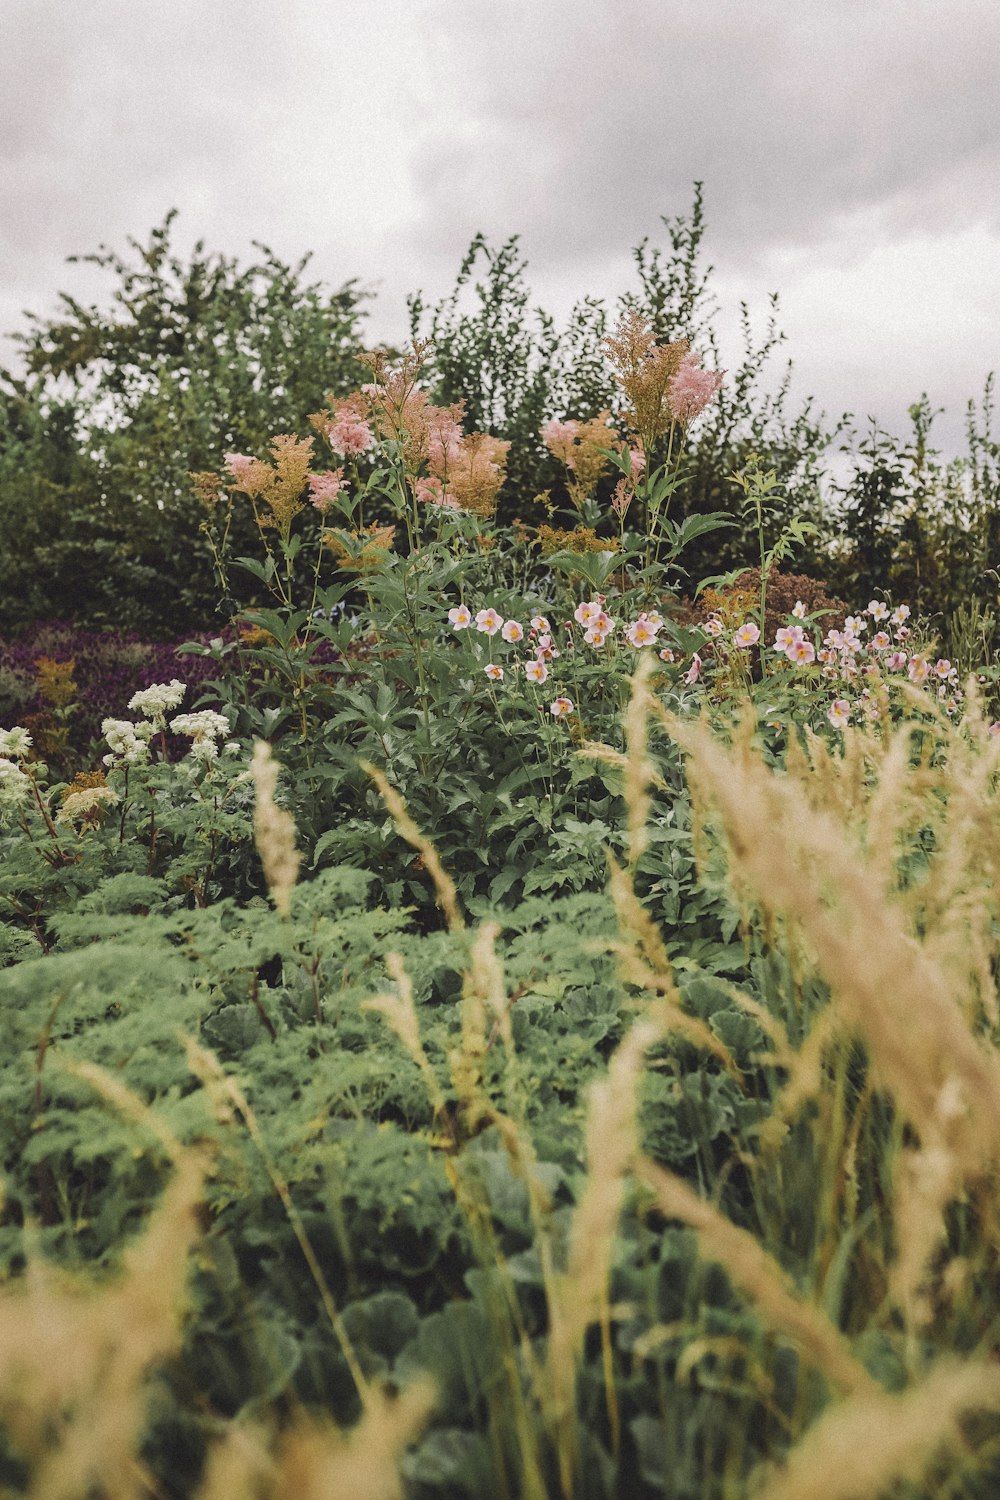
point(500, 359)
point(514, 369)
point(515, 1024)
point(116, 406)
point(924, 528)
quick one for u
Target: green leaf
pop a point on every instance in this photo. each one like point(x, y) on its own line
point(595, 567)
point(234, 1030)
point(262, 570)
point(697, 525)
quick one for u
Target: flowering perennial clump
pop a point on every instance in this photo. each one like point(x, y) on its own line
point(278, 485)
point(14, 743)
point(842, 657)
point(86, 806)
point(156, 701)
point(597, 631)
point(205, 728)
point(15, 788)
point(663, 383)
point(843, 673)
point(445, 468)
point(129, 742)
point(583, 448)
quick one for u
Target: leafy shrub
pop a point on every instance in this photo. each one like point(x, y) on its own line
point(97, 436)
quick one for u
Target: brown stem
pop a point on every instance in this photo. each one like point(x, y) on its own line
point(53, 831)
point(121, 823)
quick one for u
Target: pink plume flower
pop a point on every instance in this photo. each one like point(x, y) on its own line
point(691, 389)
point(560, 439)
point(621, 499)
point(238, 464)
point(349, 434)
point(555, 432)
point(431, 491)
point(444, 440)
point(325, 487)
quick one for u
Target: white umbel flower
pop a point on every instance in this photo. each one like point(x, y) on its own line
point(14, 743)
point(86, 806)
point(15, 787)
point(203, 725)
point(129, 742)
point(156, 701)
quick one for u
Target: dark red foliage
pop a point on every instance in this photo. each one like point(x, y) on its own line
point(108, 668)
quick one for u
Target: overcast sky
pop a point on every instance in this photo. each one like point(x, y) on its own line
point(849, 148)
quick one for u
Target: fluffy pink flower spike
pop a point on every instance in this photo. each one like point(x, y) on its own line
point(691, 389)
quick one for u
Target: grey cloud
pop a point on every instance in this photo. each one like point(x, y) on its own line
point(793, 114)
point(384, 137)
point(115, 116)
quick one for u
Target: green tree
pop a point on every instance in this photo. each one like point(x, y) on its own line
point(115, 406)
point(496, 354)
point(512, 367)
point(923, 527)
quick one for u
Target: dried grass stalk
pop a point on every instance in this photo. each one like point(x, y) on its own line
point(400, 1013)
point(314, 1461)
point(859, 1448)
point(639, 771)
point(77, 1354)
point(231, 1103)
point(760, 1278)
point(447, 896)
point(903, 996)
point(274, 830)
point(579, 1297)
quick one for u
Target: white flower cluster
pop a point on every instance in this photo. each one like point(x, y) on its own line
point(14, 743)
point(15, 787)
point(86, 806)
point(129, 742)
point(205, 727)
point(156, 701)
